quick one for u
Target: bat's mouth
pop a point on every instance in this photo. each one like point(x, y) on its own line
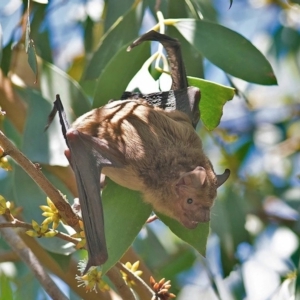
point(192, 222)
point(189, 222)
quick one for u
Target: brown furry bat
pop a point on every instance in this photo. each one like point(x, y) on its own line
point(145, 143)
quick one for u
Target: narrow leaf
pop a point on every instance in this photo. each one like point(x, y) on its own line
point(32, 60)
point(228, 50)
point(124, 30)
point(118, 73)
point(56, 81)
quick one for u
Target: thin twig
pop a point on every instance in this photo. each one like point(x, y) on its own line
point(56, 197)
point(143, 288)
point(123, 289)
point(27, 256)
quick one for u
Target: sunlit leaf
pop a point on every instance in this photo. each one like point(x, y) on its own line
point(228, 50)
point(6, 287)
point(213, 98)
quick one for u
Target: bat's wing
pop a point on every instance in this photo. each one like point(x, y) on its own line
point(180, 97)
point(186, 100)
point(87, 156)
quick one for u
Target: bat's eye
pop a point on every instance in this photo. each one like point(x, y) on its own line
point(189, 201)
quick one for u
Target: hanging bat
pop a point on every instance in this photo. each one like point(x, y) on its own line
point(146, 143)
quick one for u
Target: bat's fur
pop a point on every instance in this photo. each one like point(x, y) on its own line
point(162, 157)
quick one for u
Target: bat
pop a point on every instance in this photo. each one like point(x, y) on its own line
point(147, 143)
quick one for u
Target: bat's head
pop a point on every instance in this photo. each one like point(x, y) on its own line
point(196, 192)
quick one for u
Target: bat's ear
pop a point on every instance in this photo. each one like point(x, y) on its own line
point(195, 178)
point(223, 177)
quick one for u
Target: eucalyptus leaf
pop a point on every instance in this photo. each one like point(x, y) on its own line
point(228, 50)
point(124, 30)
point(124, 214)
point(32, 60)
point(44, 147)
point(118, 73)
point(213, 98)
point(197, 237)
point(114, 10)
point(6, 291)
point(55, 81)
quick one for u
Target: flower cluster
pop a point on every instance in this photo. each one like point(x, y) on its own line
point(51, 213)
point(4, 206)
point(40, 231)
point(92, 280)
point(134, 269)
point(161, 289)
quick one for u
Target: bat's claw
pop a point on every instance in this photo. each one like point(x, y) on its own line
point(152, 218)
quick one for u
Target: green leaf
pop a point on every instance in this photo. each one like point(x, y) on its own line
point(124, 30)
point(125, 214)
point(228, 50)
point(118, 73)
point(6, 63)
point(6, 291)
point(55, 81)
point(114, 10)
point(192, 58)
point(213, 98)
point(45, 147)
point(32, 60)
point(229, 224)
point(197, 237)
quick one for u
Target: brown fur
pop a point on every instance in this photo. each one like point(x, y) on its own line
point(161, 151)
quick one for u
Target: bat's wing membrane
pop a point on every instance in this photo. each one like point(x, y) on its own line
point(186, 100)
point(87, 156)
point(86, 164)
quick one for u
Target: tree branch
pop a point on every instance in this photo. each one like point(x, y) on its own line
point(125, 292)
point(56, 197)
point(27, 256)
